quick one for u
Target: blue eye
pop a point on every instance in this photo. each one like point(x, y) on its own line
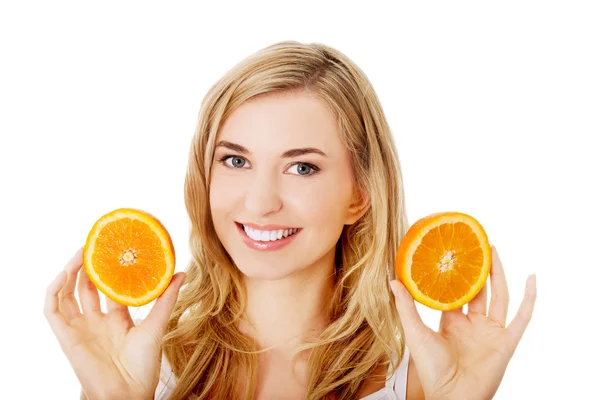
point(305, 169)
point(236, 161)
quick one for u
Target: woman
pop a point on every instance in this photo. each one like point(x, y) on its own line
point(295, 196)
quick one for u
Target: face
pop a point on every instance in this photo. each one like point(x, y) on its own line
point(282, 186)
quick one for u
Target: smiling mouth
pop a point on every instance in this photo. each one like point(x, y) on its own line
point(267, 235)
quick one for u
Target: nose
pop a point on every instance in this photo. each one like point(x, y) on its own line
point(263, 194)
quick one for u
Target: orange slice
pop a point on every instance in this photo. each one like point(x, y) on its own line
point(444, 260)
point(129, 256)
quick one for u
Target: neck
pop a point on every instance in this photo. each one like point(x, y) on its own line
point(292, 310)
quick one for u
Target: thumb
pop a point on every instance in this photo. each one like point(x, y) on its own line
point(415, 330)
point(157, 319)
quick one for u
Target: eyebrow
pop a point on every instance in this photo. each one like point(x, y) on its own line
point(286, 154)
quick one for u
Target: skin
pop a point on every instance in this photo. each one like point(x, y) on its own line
point(468, 356)
point(111, 357)
point(260, 186)
point(465, 359)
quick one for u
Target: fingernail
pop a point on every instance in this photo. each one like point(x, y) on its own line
point(394, 287)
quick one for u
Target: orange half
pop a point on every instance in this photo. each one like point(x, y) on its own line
point(444, 260)
point(129, 256)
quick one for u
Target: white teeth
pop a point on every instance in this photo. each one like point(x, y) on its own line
point(268, 236)
point(256, 235)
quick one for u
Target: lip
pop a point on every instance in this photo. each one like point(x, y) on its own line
point(265, 246)
point(266, 227)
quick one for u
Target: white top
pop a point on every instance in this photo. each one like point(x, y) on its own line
point(395, 386)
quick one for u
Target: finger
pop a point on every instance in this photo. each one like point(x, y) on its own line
point(157, 319)
point(479, 303)
point(66, 297)
point(451, 316)
point(499, 299)
point(415, 330)
point(519, 323)
point(88, 294)
point(52, 312)
point(113, 307)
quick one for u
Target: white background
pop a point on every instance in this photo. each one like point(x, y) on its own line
point(495, 108)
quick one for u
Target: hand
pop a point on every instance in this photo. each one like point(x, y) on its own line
point(111, 357)
point(467, 357)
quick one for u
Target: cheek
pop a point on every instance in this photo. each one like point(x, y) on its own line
point(221, 198)
point(323, 204)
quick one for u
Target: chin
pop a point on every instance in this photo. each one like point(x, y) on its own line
point(264, 270)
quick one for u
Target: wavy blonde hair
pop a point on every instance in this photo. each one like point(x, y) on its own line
point(206, 350)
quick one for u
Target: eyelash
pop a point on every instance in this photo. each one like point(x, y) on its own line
point(314, 168)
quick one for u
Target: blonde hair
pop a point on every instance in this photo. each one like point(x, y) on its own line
point(207, 352)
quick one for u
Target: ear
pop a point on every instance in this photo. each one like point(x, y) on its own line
point(360, 204)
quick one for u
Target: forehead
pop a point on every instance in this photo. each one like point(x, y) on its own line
point(280, 121)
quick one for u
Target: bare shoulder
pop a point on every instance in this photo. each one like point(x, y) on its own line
point(375, 382)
